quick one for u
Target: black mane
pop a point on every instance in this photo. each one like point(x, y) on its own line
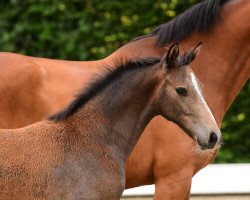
point(198, 18)
point(101, 83)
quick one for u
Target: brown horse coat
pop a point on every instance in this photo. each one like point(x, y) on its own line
point(80, 153)
point(164, 155)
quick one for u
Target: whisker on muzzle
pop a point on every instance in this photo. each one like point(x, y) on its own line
point(204, 153)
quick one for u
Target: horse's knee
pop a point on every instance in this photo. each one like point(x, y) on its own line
point(172, 188)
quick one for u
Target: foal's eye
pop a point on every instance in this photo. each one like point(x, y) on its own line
point(181, 91)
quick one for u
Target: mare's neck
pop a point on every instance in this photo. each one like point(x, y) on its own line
point(142, 48)
point(224, 65)
point(120, 112)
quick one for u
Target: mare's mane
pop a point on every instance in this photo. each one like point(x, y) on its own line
point(198, 18)
point(101, 82)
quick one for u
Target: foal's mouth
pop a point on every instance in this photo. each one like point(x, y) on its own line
point(208, 146)
point(202, 152)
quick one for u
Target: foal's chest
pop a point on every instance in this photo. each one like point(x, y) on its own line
point(90, 178)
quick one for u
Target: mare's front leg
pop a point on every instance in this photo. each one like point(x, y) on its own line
point(175, 186)
point(176, 160)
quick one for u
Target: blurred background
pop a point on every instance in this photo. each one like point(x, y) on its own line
point(92, 29)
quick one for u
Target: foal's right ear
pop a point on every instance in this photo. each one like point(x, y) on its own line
point(172, 55)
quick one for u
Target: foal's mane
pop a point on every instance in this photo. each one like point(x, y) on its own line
point(198, 18)
point(101, 82)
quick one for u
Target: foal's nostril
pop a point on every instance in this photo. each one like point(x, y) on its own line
point(213, 139)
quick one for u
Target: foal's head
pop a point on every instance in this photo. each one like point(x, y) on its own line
point(181, 99)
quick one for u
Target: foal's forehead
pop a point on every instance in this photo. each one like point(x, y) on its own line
point(183, 73)
point(186, 75)
point(195, 82)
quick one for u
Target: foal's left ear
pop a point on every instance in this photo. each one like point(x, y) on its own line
point(194, 52)
point(172, 54)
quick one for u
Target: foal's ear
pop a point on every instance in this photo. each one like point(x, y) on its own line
point(172, 55)
point(195, 52)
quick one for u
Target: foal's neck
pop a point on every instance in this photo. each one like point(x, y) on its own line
point(122, 110)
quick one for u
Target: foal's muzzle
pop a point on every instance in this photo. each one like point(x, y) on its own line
point(213, 140)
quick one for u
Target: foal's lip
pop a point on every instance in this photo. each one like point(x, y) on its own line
point(208, 147)
point(200, 145)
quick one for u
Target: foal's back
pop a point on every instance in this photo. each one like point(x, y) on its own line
point(16, 146)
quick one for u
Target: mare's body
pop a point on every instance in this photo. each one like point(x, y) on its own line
point(80, 153)
point(163, 155)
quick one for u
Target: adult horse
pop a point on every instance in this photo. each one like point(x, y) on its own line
point(168, 160)
point(70, 157)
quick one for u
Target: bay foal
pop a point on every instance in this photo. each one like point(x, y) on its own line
point(33, 88)
point(80, 153)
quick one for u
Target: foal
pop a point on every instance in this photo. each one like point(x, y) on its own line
point(80, 153)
